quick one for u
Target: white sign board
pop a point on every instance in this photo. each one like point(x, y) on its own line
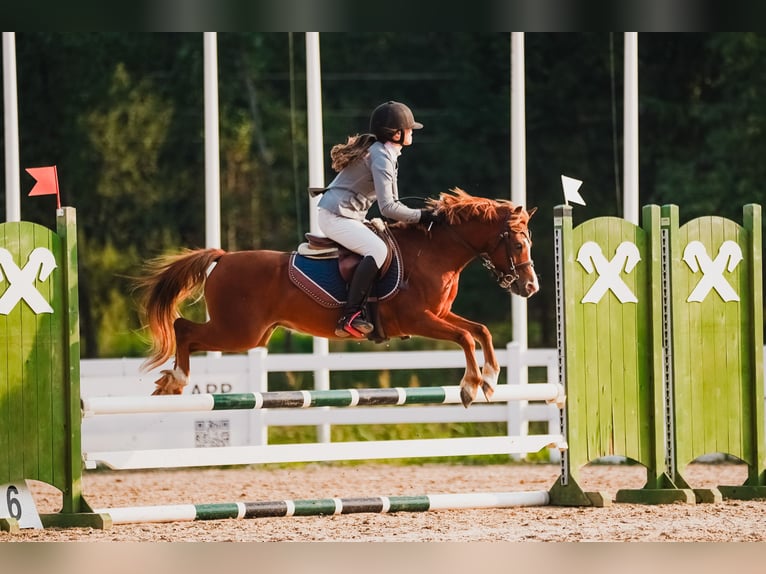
point(16, 502)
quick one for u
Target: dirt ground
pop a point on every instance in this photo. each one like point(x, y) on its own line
point(729, 521)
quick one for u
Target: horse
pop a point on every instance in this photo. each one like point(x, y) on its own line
point(248, 293)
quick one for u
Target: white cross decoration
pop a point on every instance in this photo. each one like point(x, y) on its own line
point(592, 259)
point(697, 258)
point(40, 265)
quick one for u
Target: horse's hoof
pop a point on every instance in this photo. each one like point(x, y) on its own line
point(488, 390)
point(170, 383)
point(466, 397)
point(168, 388)
point(162, 387)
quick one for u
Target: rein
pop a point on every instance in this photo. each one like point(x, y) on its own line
point(504, 280)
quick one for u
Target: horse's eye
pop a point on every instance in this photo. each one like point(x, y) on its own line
point(519, 246)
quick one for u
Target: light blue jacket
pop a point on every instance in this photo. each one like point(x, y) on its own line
point(370, 178)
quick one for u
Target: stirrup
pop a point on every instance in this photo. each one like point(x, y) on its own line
point(355, 326)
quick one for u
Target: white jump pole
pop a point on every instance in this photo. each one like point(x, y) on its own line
point(323, 507)
point(137, 404)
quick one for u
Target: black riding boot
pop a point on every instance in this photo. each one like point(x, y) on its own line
point(353, 322)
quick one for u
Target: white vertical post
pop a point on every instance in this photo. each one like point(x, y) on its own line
point(518, 421)
point(212, 154)
point(554, 416)
point(314, 113)
point(518, 165)
point(517, 370)
point(630, 183)
point(316, 179)
point(258, 382)
point(11, 123)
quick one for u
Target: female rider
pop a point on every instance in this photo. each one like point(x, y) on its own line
point(367, 171)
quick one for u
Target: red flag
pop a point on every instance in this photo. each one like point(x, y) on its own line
point(47, 182)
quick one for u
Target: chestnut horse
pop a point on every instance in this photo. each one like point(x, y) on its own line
point(248, 293)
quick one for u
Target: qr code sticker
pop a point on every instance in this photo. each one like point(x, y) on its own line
point(211, 433)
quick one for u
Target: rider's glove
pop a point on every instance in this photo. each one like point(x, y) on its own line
point(427, 217)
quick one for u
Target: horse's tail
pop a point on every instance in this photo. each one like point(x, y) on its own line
point(169, 280)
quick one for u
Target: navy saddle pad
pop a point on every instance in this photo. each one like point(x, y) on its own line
point(320, 279)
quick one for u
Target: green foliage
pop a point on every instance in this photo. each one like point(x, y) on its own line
point(121, 115)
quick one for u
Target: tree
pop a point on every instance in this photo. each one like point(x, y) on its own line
point(121, 115)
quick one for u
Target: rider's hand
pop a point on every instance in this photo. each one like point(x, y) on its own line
point(428, 217)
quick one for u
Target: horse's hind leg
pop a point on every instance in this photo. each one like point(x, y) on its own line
point(173, 381)
point(192, 337)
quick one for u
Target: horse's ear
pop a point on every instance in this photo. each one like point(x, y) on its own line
point(532, 211)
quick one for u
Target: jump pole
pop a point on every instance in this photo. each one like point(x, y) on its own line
point(307, 399)
point(323, 507)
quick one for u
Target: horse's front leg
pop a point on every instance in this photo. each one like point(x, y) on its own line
point(491, 369)
point(434, 327)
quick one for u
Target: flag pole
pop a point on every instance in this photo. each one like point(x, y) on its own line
point(58, 194)
point(47, 182)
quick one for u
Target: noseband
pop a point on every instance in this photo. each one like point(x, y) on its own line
point(504, 280)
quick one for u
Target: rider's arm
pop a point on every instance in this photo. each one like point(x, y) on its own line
point(383, 168)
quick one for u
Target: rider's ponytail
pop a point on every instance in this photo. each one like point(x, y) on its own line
point(355, 148)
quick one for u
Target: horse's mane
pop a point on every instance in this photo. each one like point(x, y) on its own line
point(458, 206)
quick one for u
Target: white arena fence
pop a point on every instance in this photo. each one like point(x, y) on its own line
point(176, 439)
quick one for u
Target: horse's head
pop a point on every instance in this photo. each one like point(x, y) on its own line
point(499, 234)
point(512, 255)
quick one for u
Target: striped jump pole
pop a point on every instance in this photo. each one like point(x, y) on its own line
point(306, 399)
point(323, 507)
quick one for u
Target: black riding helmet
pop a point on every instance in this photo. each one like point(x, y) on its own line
point(391, 117)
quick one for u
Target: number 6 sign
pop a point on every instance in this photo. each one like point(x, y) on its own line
point(16, 502)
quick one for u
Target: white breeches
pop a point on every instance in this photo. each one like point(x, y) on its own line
point(353, 235)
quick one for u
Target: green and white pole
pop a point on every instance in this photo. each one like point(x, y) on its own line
point(307, 399)
point(323, 507)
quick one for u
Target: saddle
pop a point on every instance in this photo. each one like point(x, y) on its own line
point(322, 269)
point(321, 247)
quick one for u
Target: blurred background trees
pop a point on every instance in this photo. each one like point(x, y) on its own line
point(121, 115)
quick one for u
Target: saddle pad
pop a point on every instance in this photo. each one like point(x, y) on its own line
point(320, 279)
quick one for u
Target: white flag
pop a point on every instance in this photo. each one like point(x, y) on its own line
point(571, 186)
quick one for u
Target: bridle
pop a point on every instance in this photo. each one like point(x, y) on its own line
point(504, 280)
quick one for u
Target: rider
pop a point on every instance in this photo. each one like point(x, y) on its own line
point(367, 171)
